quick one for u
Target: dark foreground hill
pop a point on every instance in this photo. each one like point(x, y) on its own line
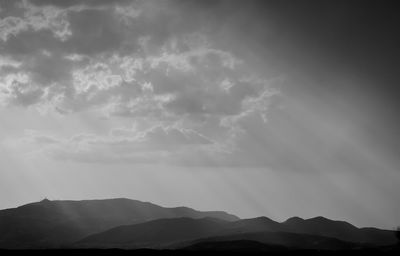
point(340, 230)
point(232, 248)
point(235, 246)
point(291, 241)
point(318, 226)
point(186, 232)
point(161, 233)
point(49, 224)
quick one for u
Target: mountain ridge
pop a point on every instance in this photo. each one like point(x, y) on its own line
point(53, 223)
point(261, 229)
point(62, 223)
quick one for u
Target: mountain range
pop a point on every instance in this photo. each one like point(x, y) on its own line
point(132, 224)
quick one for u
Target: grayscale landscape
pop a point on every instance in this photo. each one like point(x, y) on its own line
point(199, 127)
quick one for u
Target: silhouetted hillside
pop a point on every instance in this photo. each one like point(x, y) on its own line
point(318, 226)
point(185, 232)
point(125, 223)
point(155, 234)
point(290, 240)
point(338, 229)
point(256, 224)
point(54, 223)
point(235, 246)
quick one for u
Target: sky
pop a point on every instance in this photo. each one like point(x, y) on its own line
point(274, 108)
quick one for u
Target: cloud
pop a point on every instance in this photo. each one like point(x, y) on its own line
point(15, 89)
point(144, 61)
point(66, 4)
point(6, 62)
point(158, 144)
point(36, 19)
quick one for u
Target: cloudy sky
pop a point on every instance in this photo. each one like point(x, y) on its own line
point(275, 108)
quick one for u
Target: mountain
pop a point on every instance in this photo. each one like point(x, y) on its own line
point(255, 225)
point(154, 234)
point(54, 223)
point(319, 226)
point(125, 223)
point(338, 229)
point(186, 233)
point(314, 233)
point(283, 239)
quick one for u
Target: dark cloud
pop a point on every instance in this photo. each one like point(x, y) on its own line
point(94, 32)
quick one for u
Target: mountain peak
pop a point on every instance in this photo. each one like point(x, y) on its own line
point(262, 218)
point(294, 219)
point(320, 218)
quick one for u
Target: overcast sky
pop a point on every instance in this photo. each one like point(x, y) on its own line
point(275, 108)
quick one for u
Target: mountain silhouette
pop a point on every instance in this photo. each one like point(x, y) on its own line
point(126, 223)
point(184, 232)
point(204, 233)
point(55, 223)
point(255, 225)
point(338, 229)
point(293, 241)
point(319, 226)
point(154, 234)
